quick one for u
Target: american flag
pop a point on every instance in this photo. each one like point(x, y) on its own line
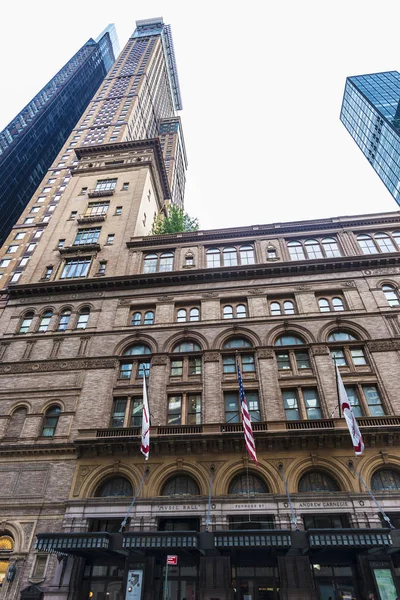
point(246, 419)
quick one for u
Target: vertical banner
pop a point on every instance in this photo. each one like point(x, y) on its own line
point(134, 585)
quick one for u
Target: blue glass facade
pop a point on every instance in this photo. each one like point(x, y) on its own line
point(30, 143)
point(371, 114)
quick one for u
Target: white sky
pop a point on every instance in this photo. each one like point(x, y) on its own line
point(262, 84)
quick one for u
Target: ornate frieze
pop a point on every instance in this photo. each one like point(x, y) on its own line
point(59, 365)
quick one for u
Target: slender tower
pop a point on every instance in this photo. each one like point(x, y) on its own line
point(32, 140)
point(125, 157)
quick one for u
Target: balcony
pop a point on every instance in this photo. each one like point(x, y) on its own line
point(86, 219)
point(79, 249)
point(229, 429)
point(100, 193)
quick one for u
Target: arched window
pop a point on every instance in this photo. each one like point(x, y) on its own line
point(150, 263)
point(64, 320)
point(384, 242)
point(313, 249)
point(246, 255)
point(230, 256)
point(26, 322)
point(187, 346)
point(288, 340)
point(271, 253)
point(194, 314)
point(180, 485)
point(166, 262)
point(117, 486)
point(275, 308)
point(330, 247)
point(391, 295)
point(324, 305)
point(6, 549)
point(341, 336)
point(45, 321)
point(243, 484)
point(50, 421)
point(367, 244)
point(181, 315)
point(337, 304)
point(16, 423)
point(148, 318)
point(385, 480)
point(213, 258)
point(228, 312)
point(316, 481)
point(136, 319)
point(241, 311)
point(396, 237)
point(134, 369)
point(83, 318)
point(296, 251)
point(237, 343)
point(288, 307)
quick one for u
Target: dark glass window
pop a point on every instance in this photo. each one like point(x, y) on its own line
point(326, 521)
point(385, 480)
point(288, 340)
point(180, 485)
point(26, 322)
point(117, 486)
point(50, 421)
point(244, 483)
point(316, 481)
point(45, 321)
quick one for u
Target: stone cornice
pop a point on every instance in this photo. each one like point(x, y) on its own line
point(53, 450)
point(273, 229)
point(219, 275)
point(73, 364)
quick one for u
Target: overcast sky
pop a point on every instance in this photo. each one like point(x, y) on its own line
point(262, 84)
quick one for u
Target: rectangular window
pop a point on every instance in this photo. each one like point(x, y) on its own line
point(110, 239)
point(102, 267)
point(35, 209)
point(83, 191)
point(229, 364)
point(5, 262)
point(174, 410)
point(38, 234)
point(76, 267)
point(96, 208)
point(373, 400)
point(357, 355)
point(20, 235)
point(137, 412)
point(12, 249)
point(60, 243)
point(118, 210)
point(194, 409)
point(48, 272)
point(283, 361)
point(354, 400)
point(15, 277)
point(73, 215)
point(24, 261)
point(233, 409)
point(29, 221)
point(177, 368)
point(311, 402)
point(41, 199)
point(302, 360)
point(118, 414)
point(125, 186)
point(87, 236)
point(290, 405)
point(40, 566)
point(194, 366)
point(31, 247)
point(105, 184)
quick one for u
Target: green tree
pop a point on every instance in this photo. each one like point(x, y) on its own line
point(175, 222)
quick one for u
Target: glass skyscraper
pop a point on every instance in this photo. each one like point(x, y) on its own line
point(32, 140)
point(371, 114)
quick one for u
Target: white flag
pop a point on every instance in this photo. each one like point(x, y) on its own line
point(145, 445)
point(348, 414)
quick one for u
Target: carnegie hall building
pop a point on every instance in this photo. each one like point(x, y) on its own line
point(91, 301)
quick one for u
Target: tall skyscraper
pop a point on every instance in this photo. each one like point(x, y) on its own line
point(371, 114)
point(32, 140)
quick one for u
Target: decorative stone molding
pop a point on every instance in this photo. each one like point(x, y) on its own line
point(320, 350)
point(388, 271)
point(350, 284)
point(125, 301)
point(165, 298)
point(265, 353)
point(302, 287)
point(83, 473)
point(257, 292)
point(61, 298)
point(59, 365)
point(211, 357)
point(384, 345)
point(160, 360)
point(210, 295)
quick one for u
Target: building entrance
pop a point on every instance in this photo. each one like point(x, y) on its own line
point(255, 583)
point(181, 584)
point(335, 583)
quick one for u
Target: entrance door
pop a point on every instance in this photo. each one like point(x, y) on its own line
point(181, 583)
point(255, 583)
point(327, 591)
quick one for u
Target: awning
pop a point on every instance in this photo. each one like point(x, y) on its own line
point(256, 539)
point(72, 543)
point(161, 540)
point(349, 538)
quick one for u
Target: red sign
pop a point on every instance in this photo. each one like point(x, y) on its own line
point(172, 560)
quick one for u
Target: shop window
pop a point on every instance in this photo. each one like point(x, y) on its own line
point(246, 483)
point(317, 481)
point(50, 421)
point(117, 486)
point(180, 485)
point(326, 521)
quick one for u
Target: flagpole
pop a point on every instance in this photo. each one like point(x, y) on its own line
point(208, 519)
point(292, 511)
point(384, 515)
point(146, 472)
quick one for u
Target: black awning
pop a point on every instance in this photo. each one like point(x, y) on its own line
point(160, 540)
point(72, 543)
